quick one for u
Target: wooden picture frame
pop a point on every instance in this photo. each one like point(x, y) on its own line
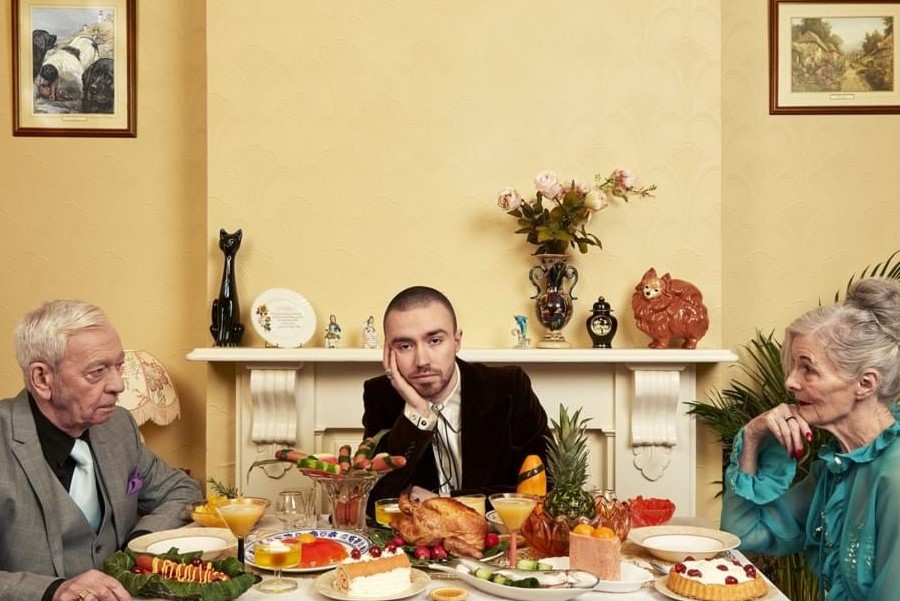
point(830, 57)
point(78, 76)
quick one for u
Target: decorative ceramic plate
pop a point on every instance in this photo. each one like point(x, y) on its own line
point(674, 543)
point(514, 592)
point(324, 585)
point(633, 577)
point(348, 540)
point(283, 318)
point(213, 542)
point(660, 585)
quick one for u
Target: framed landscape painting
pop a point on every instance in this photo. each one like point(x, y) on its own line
point(831, 57)
point(76, 77)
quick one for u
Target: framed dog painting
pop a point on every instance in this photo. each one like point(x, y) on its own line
point(831, 57)
point(77, 77)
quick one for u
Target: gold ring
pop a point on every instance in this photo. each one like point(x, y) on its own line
point(83, 595)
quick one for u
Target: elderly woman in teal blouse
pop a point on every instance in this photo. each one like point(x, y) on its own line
point(842, 365)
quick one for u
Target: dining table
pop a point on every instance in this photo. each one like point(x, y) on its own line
point(438, 579)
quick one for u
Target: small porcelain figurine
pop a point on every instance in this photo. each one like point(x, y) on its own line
point(369, 335)
point(666, 308)
point(521, 332)
point(332, 333)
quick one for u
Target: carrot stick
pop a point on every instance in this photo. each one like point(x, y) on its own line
point(344, 457)
point(383, 462)
point(291, 455)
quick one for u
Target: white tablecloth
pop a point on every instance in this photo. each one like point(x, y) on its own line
point(306, 590)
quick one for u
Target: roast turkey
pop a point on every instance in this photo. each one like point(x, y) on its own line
point(443, 520)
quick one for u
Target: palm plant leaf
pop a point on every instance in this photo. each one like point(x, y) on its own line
point(889, 269)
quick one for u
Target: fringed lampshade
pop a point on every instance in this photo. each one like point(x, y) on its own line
point(149, 391)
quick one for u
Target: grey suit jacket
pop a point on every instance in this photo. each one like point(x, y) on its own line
point(43, 534)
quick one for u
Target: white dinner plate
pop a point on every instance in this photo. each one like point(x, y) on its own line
point(632, 577)
point(283, 318)
point(660, 585)
point(213, 542)
point(349, 540)
point(675, 543)
point(325, 585)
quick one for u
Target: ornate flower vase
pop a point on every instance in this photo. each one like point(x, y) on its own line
point(554, 280)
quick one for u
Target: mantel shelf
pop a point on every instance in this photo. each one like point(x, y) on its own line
point(635, 356)
point(642, 441)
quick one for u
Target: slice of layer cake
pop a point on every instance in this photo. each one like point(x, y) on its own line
point(369, 576)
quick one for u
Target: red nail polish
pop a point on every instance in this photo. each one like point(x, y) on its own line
point(808, 436)
point(798, 453)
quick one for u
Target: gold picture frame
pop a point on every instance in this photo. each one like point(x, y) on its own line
point(78, 76)
point(830, 57)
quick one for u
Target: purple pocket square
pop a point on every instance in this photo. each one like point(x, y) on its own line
point(134, 483)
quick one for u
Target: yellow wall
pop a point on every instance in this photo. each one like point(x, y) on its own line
point(120, 222)
point(360, 147)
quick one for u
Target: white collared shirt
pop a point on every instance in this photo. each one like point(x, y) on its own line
point(448, 432)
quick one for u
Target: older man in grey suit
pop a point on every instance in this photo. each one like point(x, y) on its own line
point(50, 547)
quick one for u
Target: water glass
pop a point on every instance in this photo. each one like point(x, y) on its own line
point(297, 509)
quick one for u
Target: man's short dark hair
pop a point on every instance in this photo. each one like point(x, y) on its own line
point(419, 296)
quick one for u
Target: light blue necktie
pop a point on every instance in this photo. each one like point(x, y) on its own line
point(83, 489)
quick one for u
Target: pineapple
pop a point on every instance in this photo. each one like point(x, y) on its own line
point(567, 457)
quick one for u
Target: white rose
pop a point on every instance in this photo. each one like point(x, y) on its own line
point(548, 184)
point(596, 200)
point(509, 200)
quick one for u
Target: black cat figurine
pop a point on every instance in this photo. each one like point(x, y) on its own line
point(226, 324)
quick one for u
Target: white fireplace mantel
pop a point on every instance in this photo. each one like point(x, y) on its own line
point(643, 442)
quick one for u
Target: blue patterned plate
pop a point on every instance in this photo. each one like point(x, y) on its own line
point(349, 540)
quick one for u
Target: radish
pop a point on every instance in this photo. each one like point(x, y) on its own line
point(422, 552)
point(438, 552)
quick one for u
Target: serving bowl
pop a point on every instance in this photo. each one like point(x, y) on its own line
point(205, 514)
point(676, 543)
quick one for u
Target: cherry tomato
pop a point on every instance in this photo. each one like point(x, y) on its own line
point(491, 540)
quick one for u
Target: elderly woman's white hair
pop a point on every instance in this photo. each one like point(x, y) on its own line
point(863, 332)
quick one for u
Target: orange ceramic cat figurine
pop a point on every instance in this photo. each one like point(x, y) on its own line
point(666, 308)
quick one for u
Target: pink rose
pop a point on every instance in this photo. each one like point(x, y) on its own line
point(576, 184)
point(509, 200)
point(596, 200)
point(623, 179)
point(548, 184)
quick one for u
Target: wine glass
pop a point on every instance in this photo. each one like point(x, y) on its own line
point(275, 555)
point(297, 508)
point(241, 515)
point(513, 509)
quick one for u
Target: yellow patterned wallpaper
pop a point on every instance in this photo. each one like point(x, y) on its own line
point(119, 222)
point(361, 145)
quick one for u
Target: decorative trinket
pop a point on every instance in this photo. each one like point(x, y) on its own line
point(521, 332)
point(332, 333)
point(666, 308)
point(226, 326)
point(369, 335)
point(601, 325)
